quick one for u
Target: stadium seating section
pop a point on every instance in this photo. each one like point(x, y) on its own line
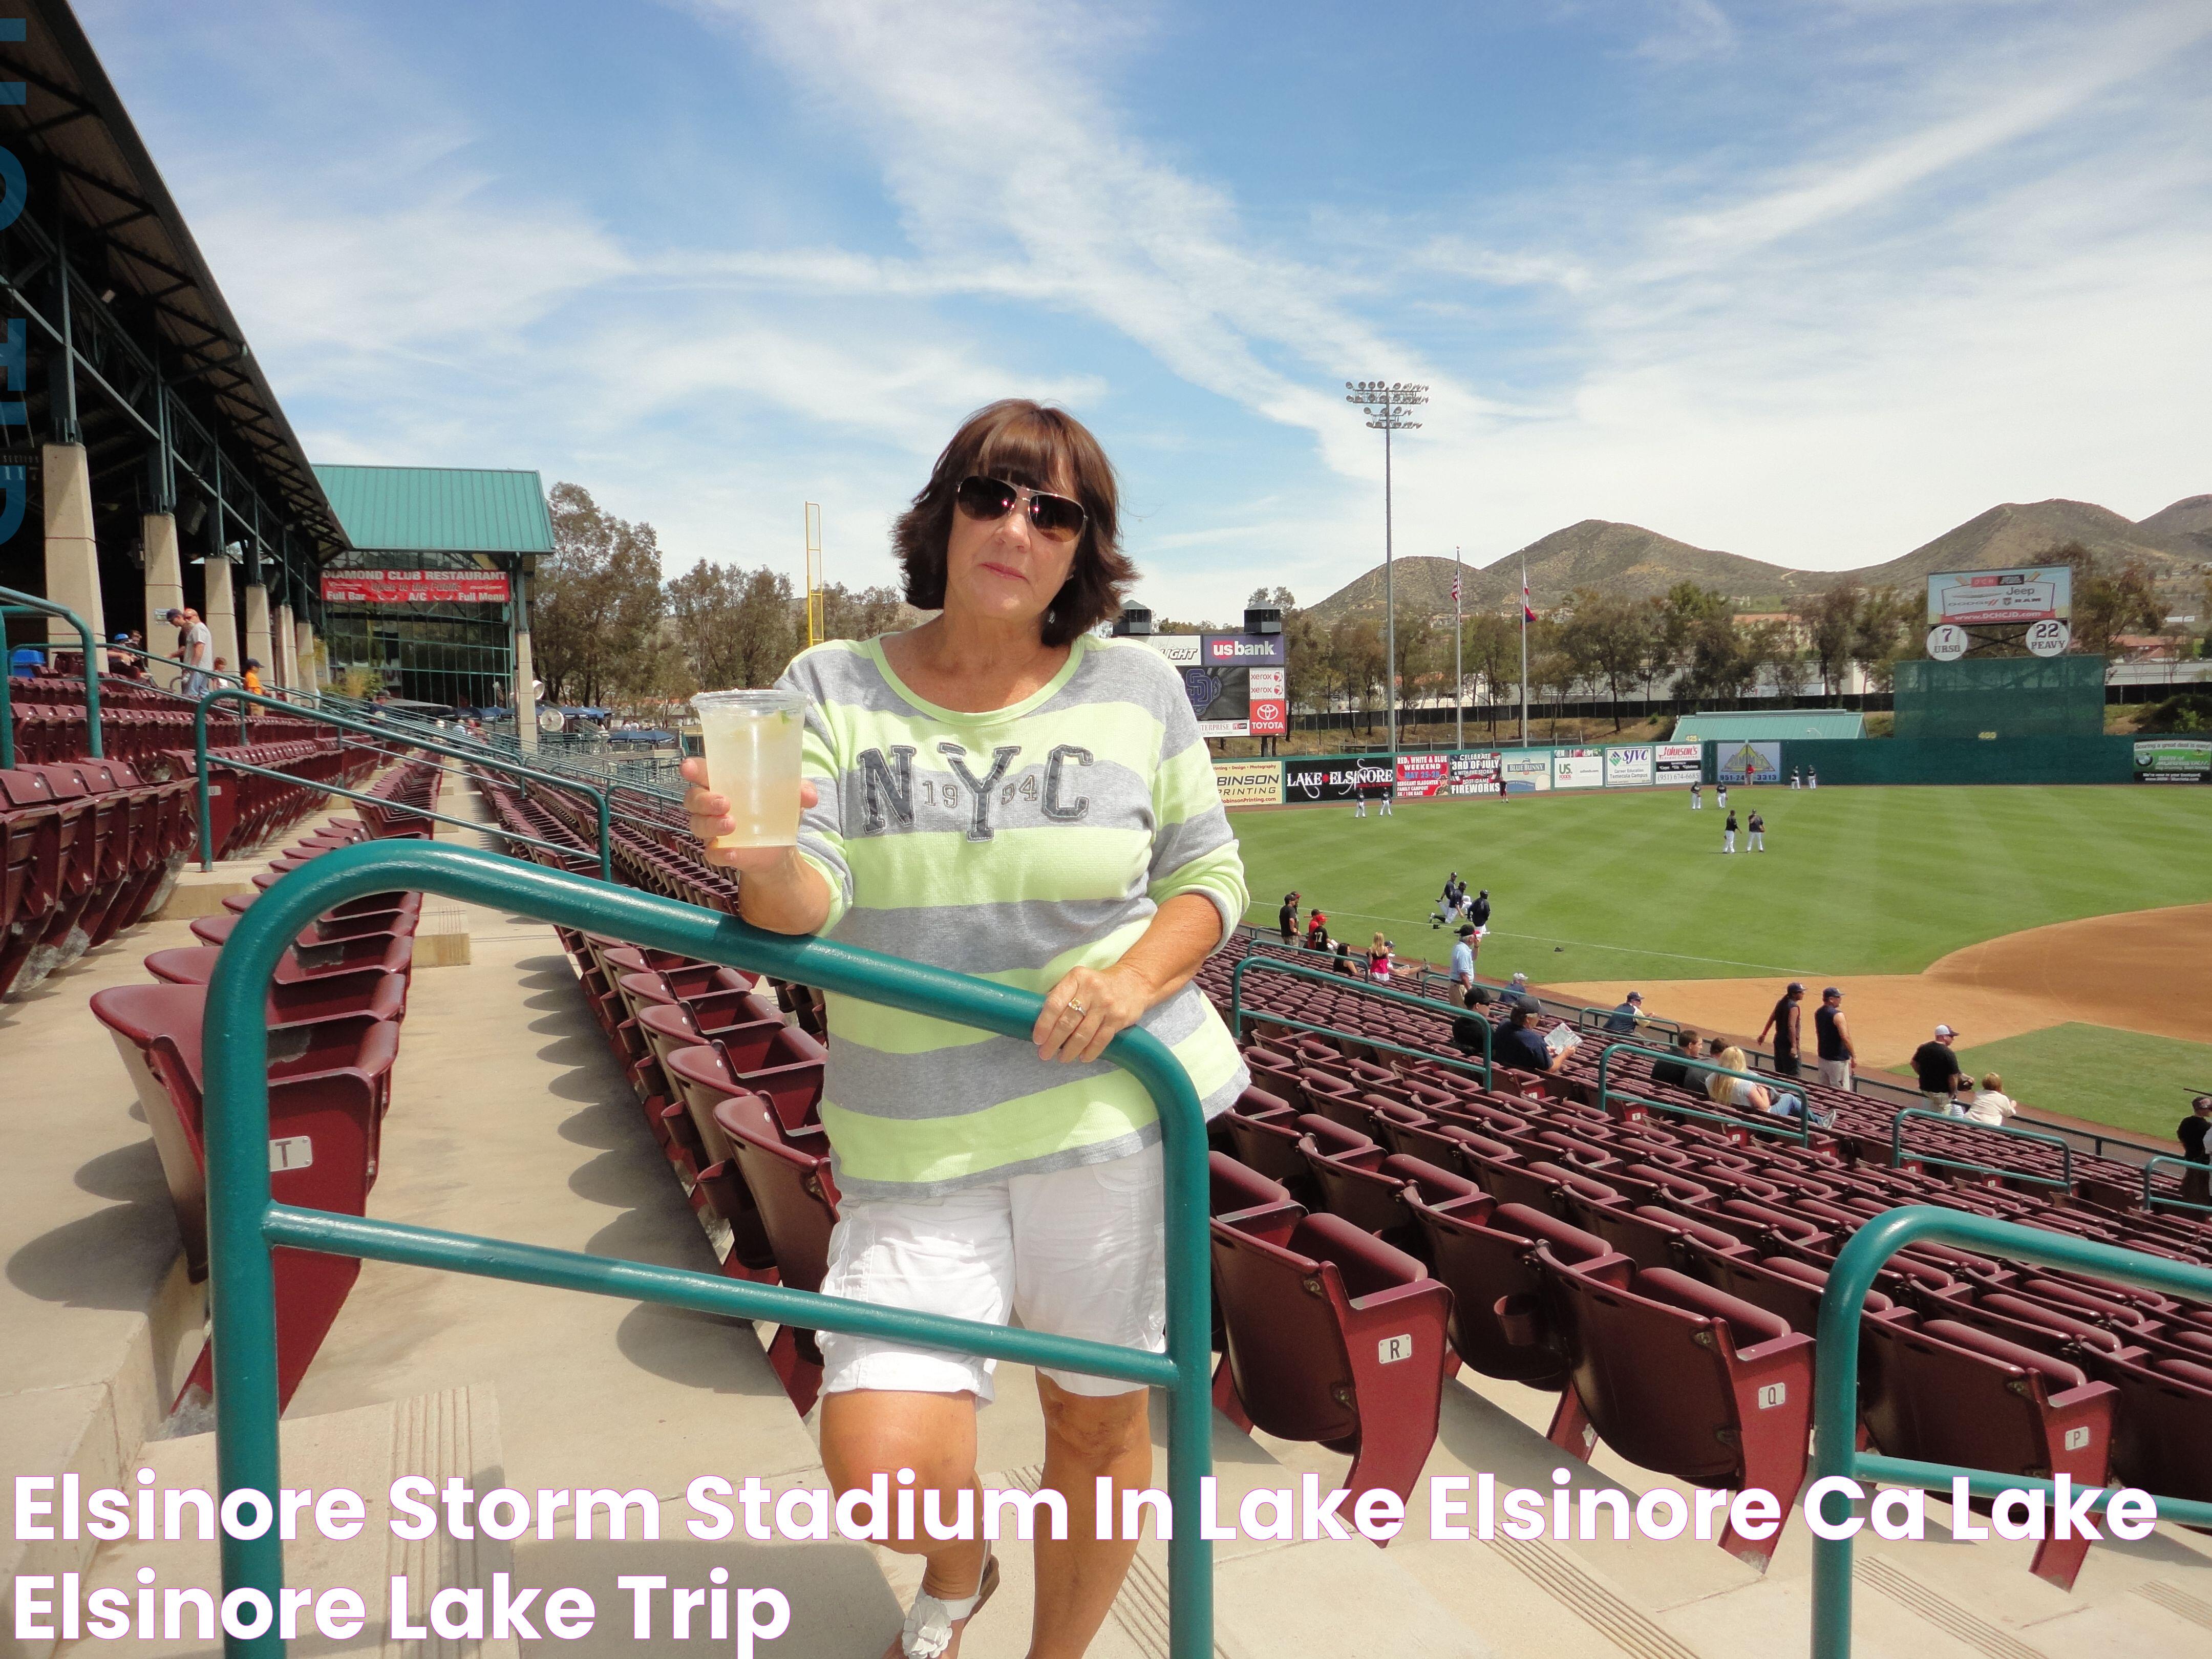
point(1384, 1213)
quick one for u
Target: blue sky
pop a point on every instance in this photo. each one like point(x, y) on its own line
point(1809, 280)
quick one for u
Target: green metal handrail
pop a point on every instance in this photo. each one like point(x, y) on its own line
point(1897, 1148)
point(245, 1225)
point(1238, 1013)
point(1803, 1134)
point(2148, 1198)
point(31, 604)
point(1836, 1455)
point(368, 729)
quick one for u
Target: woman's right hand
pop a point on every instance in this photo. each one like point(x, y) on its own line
point(709, 816)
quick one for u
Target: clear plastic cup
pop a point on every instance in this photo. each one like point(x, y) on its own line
point(751, 740)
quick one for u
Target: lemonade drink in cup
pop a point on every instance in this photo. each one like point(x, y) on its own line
point(751, 740)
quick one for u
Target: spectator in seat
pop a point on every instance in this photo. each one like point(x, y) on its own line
point(1378, 961)
point(1673, 1071)
point(2195, 1137)
point(1317, 930)
point(1522, 1046)
point(1936, 1069)
point(1991, 1104)
point(990, 1177)
point(1286, 919)
point(1738, 1091)
point(1621, 1022)
point(1342, 951)
point(1519, 996)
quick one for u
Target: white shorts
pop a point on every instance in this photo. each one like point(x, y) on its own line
point(1836, 1073)
point(1079, 1252)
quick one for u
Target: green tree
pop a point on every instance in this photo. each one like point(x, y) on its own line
point(1884, 630)
point(597, 602)
point(862, 616)
point(1831, 624)
point(2109, 600)
point(736, 627)
point(1491, 648)
point(1607, 638)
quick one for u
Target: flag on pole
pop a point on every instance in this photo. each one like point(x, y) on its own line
point(1455, 587)
point(1527, 610)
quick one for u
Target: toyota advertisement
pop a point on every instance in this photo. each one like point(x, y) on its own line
point(1235, 682)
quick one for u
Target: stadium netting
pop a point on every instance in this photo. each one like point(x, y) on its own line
point(2002, 697)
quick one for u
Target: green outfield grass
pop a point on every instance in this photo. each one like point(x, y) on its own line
point(2138, 1083)
point(1603, 884)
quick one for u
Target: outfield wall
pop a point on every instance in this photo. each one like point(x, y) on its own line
point(1324, 780)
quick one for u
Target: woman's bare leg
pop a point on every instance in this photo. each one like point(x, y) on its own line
point(1077, 1576)
point(870, 1432)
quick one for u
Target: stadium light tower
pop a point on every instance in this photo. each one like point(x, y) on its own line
point(1386, 406)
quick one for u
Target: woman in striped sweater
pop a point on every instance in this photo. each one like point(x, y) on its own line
point(999, 791)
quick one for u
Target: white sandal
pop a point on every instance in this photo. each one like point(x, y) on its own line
point(932, 1623)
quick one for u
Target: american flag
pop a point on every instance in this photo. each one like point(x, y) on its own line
point(1527, 610)
point(1455, 587)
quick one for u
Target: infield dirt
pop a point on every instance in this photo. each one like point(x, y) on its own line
point(2140, 970)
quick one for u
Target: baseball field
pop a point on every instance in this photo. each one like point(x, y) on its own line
point(2065, 931)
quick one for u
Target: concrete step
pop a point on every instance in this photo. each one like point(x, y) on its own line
point(452, 1431)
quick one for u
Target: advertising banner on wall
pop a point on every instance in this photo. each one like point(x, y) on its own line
point(1628, 768)
point(1579, 769)
point(1332, 777)
point(2173, 760)
point(1749, 763)
point(1249, 782)
point(1677, 764)
point(1234, 681)
point(1526, 769)
point(415, 586)
point(1465, 772)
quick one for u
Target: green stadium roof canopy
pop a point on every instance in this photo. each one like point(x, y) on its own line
point(439, 509)
point(1763, 725)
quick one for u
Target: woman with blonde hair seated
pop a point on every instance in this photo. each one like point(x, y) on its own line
point(1739, 1092)
point(1992, 1104)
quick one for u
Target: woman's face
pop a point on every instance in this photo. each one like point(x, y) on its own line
point(1004, 569)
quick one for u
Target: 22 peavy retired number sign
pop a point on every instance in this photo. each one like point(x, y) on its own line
point(415, 586)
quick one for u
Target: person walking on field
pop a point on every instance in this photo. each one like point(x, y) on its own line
point(1728, 835)
point(1384, 790)
point(1697, 795)
point(1719, 794)
point(2195, 1137)
point(1937, 1071)
point(1757, 825)
point(1812, 778)
point(1783, 1021)
point(1831, 1039)
point(1359, 793)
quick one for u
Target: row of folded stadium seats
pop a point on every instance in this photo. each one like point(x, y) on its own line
point(52, 732)
point(89, 849)
point(732, 1093)
point(334, 1008)
point(1581, 1251)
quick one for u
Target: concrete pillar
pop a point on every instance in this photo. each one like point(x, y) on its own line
point(303, 646)
point(165, 586)
point(257, 645)
point(220, 612)
point(72, 560)
point(287, 665)
point(526, 672)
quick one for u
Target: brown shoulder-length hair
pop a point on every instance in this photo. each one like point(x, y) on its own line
point(1033, 445)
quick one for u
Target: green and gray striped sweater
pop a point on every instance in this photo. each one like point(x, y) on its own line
point(1014, 845)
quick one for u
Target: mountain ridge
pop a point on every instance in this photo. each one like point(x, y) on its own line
point(2175, 542)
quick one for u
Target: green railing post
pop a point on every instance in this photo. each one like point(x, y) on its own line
point(1835, 1376)
point(32, 604)
point(370, 728)
point(244, 1224)
point(1897, 1147)
point(1267, 964)
point(2182, 1163)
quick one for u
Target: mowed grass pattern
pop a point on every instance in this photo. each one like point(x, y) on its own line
point(1596, 884)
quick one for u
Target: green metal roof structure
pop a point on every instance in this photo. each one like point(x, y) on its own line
point(1762, 725)
point(439, 509)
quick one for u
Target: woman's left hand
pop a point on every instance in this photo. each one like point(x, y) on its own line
point(1087, 1010)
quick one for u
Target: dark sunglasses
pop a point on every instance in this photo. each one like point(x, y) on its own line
point(987, 499)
